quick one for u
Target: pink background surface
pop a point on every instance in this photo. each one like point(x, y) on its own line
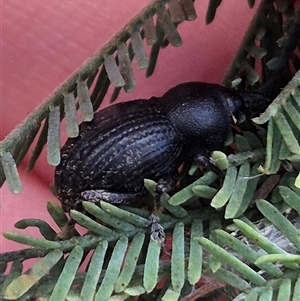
point(43, 42)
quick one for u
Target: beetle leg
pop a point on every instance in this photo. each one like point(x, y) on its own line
point(68, 230)
point(165, 184)
point(110, 197)
point(204, 159)
point(93, 196)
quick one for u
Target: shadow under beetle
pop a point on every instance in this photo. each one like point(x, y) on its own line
point(128, 142)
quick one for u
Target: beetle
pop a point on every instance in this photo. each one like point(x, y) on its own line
point(128, 142)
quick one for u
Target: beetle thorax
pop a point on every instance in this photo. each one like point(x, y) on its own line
point(202, 124)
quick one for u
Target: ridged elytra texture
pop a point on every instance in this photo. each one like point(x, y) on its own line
point(128, 142)
point(124, 144)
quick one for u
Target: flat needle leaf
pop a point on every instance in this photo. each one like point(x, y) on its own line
point(67, 275)
point(22, 284)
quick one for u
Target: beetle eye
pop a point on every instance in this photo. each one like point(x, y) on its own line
point(234, 104)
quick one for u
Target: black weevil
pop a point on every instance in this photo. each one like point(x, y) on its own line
point(128, 142)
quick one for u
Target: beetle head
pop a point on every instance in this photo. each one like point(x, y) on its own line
point(248, 102)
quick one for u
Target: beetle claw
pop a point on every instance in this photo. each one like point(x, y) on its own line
point(204, 160)
point(157, 230)
point(67, 231)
